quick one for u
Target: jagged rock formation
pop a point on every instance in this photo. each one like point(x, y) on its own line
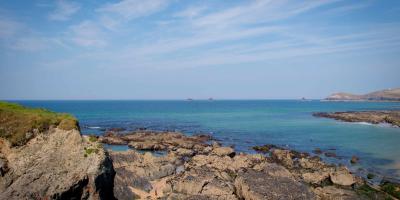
point(382, 95)
point(56, 165)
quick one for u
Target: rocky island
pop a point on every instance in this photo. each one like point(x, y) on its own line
point(382, 95)
point(44, 156)
point(373, 117)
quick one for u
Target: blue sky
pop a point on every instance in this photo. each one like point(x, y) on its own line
point(175, 49)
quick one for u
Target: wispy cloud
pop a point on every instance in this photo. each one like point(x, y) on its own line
point(201, 34)
point(31, 44)
point(87, 34)
point(64, 10)
point(8, 27)
point(130, 9)
point(191, 12)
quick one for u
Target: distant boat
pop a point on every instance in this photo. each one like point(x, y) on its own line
point(304, 99)
point(210, 99)
point(189, 99)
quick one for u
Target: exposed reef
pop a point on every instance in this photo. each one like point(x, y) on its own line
point(373, 117)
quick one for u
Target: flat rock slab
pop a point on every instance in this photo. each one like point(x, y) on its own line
point(255, 185)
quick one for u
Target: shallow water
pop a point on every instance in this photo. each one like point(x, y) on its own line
point(245, 123)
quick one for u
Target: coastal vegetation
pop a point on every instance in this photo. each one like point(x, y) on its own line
point(18, 124)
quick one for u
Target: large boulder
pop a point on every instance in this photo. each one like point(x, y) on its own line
point(58, 164)
point(342, 176)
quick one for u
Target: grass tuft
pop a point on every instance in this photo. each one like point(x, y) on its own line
point(18, 124)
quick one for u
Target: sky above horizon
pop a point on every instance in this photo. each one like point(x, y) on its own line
point(176, 49)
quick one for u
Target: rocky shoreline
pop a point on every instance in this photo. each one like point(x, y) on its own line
point(194, 167)
point(44, 156)
point(374, 117)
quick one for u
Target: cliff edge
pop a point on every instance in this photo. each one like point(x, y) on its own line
point(44, 156)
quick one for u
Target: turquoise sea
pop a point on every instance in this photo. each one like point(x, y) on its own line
point(245, 123)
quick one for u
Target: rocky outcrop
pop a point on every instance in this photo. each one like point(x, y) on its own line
point(150, 140)
point(58, 164)
point(198, 170)
point(382, 95)
point(374, 117)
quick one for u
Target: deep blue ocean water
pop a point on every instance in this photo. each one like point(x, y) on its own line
point(245, 123)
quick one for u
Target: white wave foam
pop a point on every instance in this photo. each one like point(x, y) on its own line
point(94, 127)
point(365, 123)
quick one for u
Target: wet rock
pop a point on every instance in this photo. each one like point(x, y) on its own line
point(317, 151)
point(374, 117)
point(354, 160)
point(253, 184)
point(224, 151)
point(151, 140)
point(264, 148)
point(147, 145)
point(116, 129)
point(342, 176)
point(330, 154)
point(113, 140)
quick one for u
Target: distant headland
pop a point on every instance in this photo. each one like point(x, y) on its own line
point(381, 95)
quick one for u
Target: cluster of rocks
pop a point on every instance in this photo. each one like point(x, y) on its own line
point(375, 117)
point(194, 169)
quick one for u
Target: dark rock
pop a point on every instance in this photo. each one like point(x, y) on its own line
point(354, 160)
point(3, 166)
point(264, 148)
point(330, 154)
point(116, 129)
point(317, 151)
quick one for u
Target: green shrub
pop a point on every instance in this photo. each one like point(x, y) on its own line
point(370, 176)
point(366, 190)
point(92, 138)
point(89, 151)
point(16, 121)
point(391, 189)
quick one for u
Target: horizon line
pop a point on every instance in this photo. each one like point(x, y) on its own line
point(191, 99)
